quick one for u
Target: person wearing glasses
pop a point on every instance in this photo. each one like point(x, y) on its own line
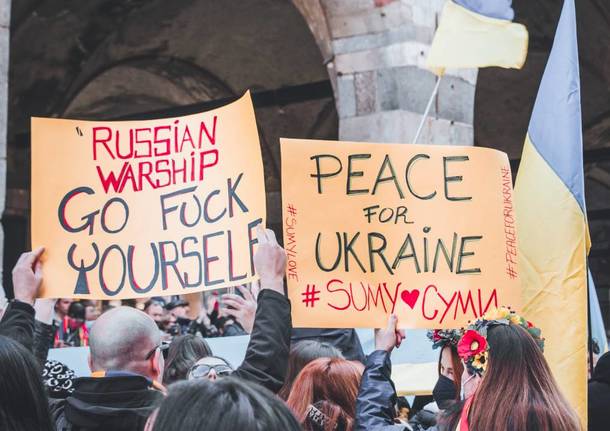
point(126, 361)
point(126, 358)
point(266, 359)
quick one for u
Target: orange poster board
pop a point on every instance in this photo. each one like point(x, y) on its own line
point(132, 209)
point(426, 232)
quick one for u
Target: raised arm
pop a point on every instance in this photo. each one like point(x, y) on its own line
point(44, 331)
point(267, 353)
point(18, 320)
point(377, 395)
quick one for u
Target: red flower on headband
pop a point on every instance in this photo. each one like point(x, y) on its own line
point(435, 336)
point(471, 344)
point(530, 324)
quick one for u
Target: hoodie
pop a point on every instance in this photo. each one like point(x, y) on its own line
point(118, 401)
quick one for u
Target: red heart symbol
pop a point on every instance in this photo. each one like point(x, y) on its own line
point(410, 298)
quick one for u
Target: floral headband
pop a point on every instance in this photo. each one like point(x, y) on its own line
point(444, 337)
point(473, 347)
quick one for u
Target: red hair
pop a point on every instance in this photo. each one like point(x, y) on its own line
point(333, 380)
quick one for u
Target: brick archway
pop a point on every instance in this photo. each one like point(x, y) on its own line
point(374, 51)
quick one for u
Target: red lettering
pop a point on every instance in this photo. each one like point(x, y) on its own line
point(103, 141)
point(349, 298)
point(423, 303)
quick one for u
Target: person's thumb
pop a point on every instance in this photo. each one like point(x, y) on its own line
point(392, 322)
point(38, 270)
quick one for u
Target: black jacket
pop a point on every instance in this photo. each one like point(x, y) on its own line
point(44, 336)
point(18, 323)
point(599, 395)
point(267, 353)
point(377, 396)
point(122, 401)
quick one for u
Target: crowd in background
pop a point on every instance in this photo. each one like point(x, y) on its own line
point(152, 369)
point(225, 312)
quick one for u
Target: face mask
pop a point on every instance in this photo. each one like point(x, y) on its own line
point(463, 392)
point(443, 391)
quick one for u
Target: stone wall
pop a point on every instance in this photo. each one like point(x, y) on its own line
point(377, 61)
point(5, 20)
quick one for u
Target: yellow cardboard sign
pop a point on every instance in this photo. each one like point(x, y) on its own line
point(426, 232)
point(131, 209)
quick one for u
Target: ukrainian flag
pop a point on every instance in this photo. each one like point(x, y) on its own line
point(551, 217)
point(477, 33)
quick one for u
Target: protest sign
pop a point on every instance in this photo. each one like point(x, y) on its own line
point(426, 232)
point(131, 209)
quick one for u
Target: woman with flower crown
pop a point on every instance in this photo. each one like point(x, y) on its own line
point(512, 386)
point(447, 388)
point(507, 384)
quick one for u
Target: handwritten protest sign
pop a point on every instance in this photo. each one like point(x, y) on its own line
point(141, 208)
point(426, 232)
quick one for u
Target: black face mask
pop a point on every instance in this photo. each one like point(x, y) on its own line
point(444, 391)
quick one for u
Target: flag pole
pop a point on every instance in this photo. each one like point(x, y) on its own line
point(589, 322)
point(427, 111)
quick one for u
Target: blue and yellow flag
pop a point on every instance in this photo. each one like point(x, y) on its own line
point(551, 217)
point(477, 33)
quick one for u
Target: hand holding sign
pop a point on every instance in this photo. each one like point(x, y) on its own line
point(390, 336)
point(241, 308)
point(27, 276)
point(142, 208)
point(270, 261)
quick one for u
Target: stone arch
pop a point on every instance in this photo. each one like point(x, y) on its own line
point(375, 52)
point(98, 59)
point(178, 82)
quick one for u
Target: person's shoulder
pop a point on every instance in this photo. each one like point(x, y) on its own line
point(57, 408)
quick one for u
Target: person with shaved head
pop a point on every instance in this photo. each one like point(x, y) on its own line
point(126, 370)
point(126, 358)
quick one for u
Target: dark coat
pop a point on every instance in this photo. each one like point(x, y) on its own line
point(266, 358)
point(377, 396)
point(599, 395)
point(118, 402)
point(18, 323)
point(124, 402)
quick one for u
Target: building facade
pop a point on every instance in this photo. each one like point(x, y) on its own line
point(333, 69)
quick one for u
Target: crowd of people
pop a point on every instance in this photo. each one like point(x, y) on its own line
point(151, 369)
point(220, 315)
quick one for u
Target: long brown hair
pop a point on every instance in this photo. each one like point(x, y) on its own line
point(518, 391)
point(458, 368)
point(334, 381)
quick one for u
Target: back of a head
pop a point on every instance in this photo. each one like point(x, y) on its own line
point(301, 354)
point(518, 391)
point(601, 373)
point(121, 338)
point(184, 351)
point(77, 310)
point(333, 380)
point(228, 404)
point(23, 402)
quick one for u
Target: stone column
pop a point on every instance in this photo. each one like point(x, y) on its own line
point(382, 86)
point(5, 21)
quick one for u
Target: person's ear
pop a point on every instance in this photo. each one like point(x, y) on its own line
point(156, 365)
